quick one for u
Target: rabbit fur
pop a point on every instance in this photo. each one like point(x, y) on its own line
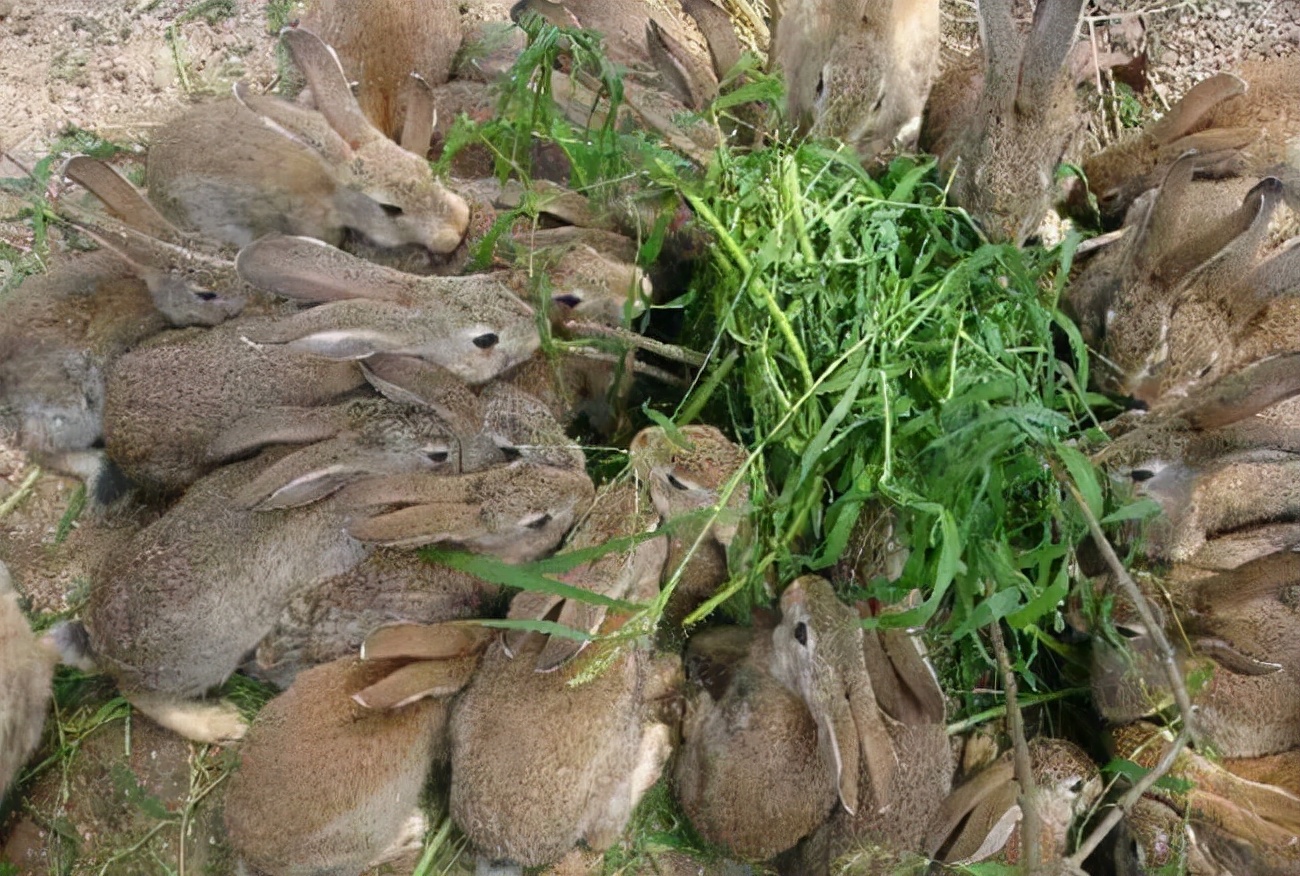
point(858, 70)
point(380, 45)
point(236, 170)
point(325, 785)
point(24, 684)
point(1002, 147)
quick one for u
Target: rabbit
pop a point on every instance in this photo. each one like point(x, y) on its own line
point(1068, 783)
point(685, 473)
point(236, 170)
point(389, 585)
point(380, 45)
point(1240, 125)
point(858, 70)
point(159, 614)
point(1155, 838)
point(1241, 825)
point(1239, 624)
point(1148, 305)
point(25, 684)
point(1002, 146)
point(528, 781)
point(327, 785)
point(619, 511)
point(896, 710)
point(472, 326)
point(749, 773)
point(190, 284)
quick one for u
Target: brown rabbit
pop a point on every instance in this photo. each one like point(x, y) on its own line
point(236, 170)
point(381, 44)
point(1003, 146)
point(685, 478)
point(1239, 125)
point(902, 717)
point(24, 685)
point(539, 763)
point(858, 70)
point(326, 785)
point(749, 774)
point(987, 809)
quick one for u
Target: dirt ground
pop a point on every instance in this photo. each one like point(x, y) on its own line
point(120, 68)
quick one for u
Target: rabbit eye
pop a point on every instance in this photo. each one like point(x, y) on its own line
point(676, 484)
point(821, 86)
point(538, 522)
point(1141, 474)
point(568, 299)
point(880, 101)
point(391, 210)
point(439, 455)
point(486, 341)
point(510, 452)
point(801, 633)
point(206, 296)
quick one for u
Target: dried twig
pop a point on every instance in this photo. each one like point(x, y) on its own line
point(1030, 830)
point(1168, 660)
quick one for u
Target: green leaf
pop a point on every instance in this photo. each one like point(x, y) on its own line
point(1045, 602)
point(499, 572)
point(1142, 509)
point(1084, 476)
point(549, 628)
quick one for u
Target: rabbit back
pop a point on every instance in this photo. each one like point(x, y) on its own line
point(219, 170)
point(60, 333)
point(323, 785)
point(389, 586)
point(165, 403)
point(176, 607)
point(24, 685)
point(528, 781)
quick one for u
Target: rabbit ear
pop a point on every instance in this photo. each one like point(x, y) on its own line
point(1055, 29)
point(307, 269)
point(415, 681)
point(719, 32)
point(335, 330)
point(285, 425)
point(315, 472)
point(1226, 655)
point(1279, 275)
point(302, 126)
point(122, 199)
point(686, 80)
point(529, 605)
point(1228, 250)
point(1002, 50)
point(555, 200)
point(1199, 101)
point(1160, 231)
point(1243, 393)
point(418, 525)
point(408, 641)
point(1262, 578)
point(329, 86)
point(904, 684)
point(1213, 147)
point(410, 380)
point(576, 615)
point(421, 116)
point(982, 813)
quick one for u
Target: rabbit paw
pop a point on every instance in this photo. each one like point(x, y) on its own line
point(199, 721)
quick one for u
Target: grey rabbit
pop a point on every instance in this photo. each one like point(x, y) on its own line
point(24, 685)
point(326, 784)
point(1002, 147)
point(236, 170)
point(472, 326)
point(298, 519)
point(859, 70)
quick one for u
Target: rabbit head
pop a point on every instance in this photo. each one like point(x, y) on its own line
point(190, 284)
point(685, 473)
point(859, 70)
point(325, 784)
point(1003, 151)
point(517, 512)
point(817, 633)
point(472, 326)
point(987, 807)
point(529, 782)
point(746, 736)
